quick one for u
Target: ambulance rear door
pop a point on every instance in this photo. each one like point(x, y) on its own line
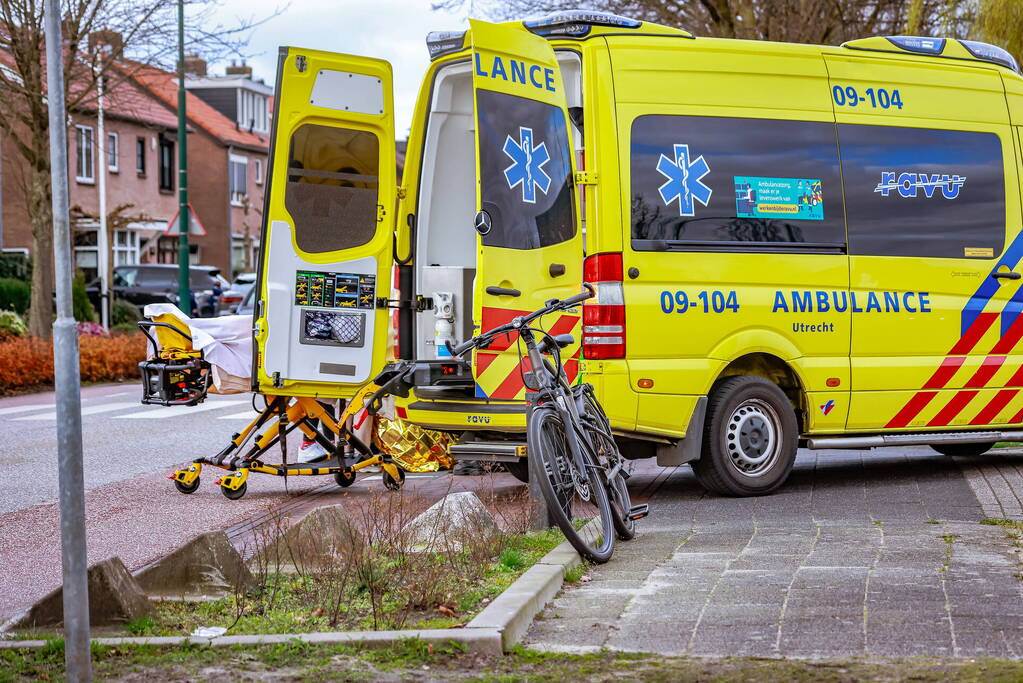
point(529, 244)
point(325, 254)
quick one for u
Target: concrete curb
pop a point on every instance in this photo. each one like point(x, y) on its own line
point(497, 628)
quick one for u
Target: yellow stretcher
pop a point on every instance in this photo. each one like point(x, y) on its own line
point(179, 375)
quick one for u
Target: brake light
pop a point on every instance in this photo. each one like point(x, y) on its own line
point(604, 315)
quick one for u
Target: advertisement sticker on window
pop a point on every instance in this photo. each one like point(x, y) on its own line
point(792, 198)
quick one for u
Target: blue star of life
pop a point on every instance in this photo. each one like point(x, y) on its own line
point(527, 165)
point(684, 180)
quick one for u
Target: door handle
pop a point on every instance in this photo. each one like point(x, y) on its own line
point(503, 291)
point(556, 269)
point(1010, 275)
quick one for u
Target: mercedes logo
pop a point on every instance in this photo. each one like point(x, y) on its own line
point(482, 222)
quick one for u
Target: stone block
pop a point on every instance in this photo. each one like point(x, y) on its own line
point(452, 521)
point(314, 542)
point(206, 566)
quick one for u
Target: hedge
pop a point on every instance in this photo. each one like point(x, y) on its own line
point(27, 362)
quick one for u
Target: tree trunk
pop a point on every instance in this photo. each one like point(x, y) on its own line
point(41, 219)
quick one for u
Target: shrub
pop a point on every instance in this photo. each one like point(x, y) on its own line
point(91, 330)
point(83, 309)
point(27, 362)
point(11, 325)
point(124, 312)
point(14, 295)
point(124, 328)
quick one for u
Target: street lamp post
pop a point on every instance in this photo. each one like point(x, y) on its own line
point(184, 287)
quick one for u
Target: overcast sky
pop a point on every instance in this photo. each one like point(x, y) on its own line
point(394, 30)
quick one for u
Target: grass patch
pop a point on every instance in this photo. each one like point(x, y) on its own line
point(574, 574)
point(932, 521)
point(416, 660)
point(994, 521)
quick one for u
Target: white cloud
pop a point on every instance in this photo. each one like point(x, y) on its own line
point(394, 30)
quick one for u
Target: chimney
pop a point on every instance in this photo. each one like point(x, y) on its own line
point(236, 70)
point(107, 40)
point(195, 65)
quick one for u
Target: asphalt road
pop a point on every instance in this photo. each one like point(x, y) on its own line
point(121, 438)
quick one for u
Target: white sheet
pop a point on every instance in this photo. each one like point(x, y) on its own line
point(225, 341)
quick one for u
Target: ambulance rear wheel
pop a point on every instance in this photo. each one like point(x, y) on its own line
point(519, 470)
point(750, 438)
point(187, 488)
point(966, 450)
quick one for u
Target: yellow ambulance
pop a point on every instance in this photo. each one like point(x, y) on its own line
point(791, 244)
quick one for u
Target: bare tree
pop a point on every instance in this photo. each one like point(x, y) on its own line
point(102, 38)
point(798, 21)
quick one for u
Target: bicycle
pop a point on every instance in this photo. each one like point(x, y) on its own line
point(571, 450)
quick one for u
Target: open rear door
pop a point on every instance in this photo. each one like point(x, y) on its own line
point(325, 254)
point(529, 243)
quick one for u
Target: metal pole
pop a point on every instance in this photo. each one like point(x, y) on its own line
point(103, 239)
point(184, 289)
point(66, 374)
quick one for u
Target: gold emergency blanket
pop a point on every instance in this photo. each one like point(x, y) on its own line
point(414, 448)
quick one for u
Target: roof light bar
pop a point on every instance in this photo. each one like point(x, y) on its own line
point(923, 45)
point(991, 53)
point(441, 43)
point(576, 22)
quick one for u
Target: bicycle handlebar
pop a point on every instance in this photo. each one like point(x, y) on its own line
point(483, 340)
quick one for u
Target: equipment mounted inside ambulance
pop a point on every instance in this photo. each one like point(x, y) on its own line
point(791, 244)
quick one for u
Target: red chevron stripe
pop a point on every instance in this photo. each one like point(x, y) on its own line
point(912, 409)
point(1017, 418)
point(512, 384)
point(952, 408)
point(483, 360)
point(1011, 337)
point(989, 412)
point(985, 372)
point(945, 371)
point(973, 334)
point(1017, 378)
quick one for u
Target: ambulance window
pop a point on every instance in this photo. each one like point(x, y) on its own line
point(526, 172)
point(923, 192)
point(332, 187)
point(708, 183)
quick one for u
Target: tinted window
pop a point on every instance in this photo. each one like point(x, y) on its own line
point(526, 171)
point(702, 182)
point(919, 192)
point(332, 187)
point(125, 277)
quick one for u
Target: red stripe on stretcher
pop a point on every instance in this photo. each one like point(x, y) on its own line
point(952, 408)
point(989, 412)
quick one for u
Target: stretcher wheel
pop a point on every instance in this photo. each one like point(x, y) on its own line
point(234, 494)
point(344, 479)
point(390, 483)
point(187, 488)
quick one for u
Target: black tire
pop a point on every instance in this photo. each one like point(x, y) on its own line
point(617, 490)
point(344, 479)
point(187, 489)
point(392, 484)
point(234, 494)
point(519, 470)
point(749, 440)
point(966, 450)
point(550, 463)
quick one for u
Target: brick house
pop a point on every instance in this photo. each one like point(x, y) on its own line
point(226, 173)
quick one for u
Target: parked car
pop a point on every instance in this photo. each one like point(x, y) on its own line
point(153, 283)
point(234, 295)
point(248, 303)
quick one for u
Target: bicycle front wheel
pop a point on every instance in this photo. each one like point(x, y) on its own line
point(576, 500)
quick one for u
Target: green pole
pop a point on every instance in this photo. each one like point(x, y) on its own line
point(184, 287)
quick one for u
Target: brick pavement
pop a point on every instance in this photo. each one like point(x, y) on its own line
point(877, 553)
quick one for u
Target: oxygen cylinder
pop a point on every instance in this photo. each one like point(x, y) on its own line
point(444, 323)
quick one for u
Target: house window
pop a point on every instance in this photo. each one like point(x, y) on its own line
point(126, 247)
point(166, 165)
point(239, 168)
point(113, 148)
point(85, 164)
point(258, 171)
point(140, 155)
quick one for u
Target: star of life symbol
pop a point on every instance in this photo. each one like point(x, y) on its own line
point(684, 180)
point(527, 165)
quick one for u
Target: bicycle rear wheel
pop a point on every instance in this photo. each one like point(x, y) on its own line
point(608, 457)
point(571, 496)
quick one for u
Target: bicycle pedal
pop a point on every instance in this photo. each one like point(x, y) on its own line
point(639, 511)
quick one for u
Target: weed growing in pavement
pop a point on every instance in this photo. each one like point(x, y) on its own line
point(371, 569)
point(574, 574)
point(932, 521)
point(995, 521)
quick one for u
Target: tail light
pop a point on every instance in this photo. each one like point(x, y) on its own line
point(604, 315)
